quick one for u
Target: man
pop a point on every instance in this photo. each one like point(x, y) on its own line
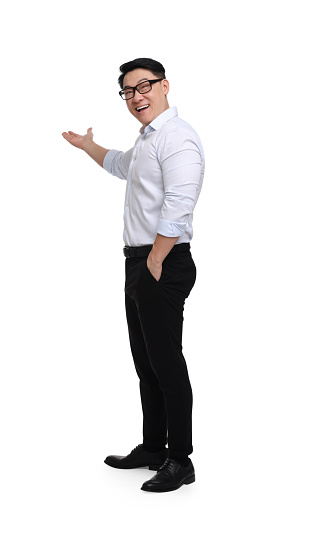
point(164, 172)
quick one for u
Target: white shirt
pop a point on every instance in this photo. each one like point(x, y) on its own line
point(164, 172)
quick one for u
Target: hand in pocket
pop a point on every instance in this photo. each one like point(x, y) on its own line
point(155, 269)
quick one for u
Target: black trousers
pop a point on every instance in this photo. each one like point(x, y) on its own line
point(154, 311)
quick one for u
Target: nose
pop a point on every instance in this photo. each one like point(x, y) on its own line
point(137, 97)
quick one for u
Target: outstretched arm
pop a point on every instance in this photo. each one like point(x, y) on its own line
point(87, 144)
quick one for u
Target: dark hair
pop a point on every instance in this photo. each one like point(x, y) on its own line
point(146, 63)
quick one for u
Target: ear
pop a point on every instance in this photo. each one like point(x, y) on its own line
point(166, 86)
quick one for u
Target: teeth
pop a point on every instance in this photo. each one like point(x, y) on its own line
point(143, 107)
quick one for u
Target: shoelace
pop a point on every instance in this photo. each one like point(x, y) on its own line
point(136, 448)
point(168, 466)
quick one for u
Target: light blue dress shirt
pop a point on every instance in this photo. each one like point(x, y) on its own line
point(164, 172)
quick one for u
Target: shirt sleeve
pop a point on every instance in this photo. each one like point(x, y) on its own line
point(117, 163)
point(182, 163)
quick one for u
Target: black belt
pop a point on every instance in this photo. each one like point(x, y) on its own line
point(141, 252)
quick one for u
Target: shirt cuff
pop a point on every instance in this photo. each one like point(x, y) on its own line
point(170, 229)
point(108, 159)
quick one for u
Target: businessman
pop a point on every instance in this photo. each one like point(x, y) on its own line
point(164, 172)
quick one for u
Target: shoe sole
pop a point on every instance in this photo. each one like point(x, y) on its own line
point(186, 482)
point(151, 467)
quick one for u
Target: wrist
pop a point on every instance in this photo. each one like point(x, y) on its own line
point(88, 144)
point(155, 258)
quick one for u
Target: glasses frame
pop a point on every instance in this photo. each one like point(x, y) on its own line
point(151, 81)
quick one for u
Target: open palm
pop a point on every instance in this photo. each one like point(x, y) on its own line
point(77, 140)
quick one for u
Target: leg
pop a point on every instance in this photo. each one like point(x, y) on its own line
point(152, 398)
point(160, 308)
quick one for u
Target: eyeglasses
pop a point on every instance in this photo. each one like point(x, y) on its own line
point(143, 87)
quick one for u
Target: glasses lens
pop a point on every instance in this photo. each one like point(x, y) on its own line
point(144, 87)
point(126, 94)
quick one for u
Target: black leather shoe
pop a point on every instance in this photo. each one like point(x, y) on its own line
point(137, 458)
point(170, 476)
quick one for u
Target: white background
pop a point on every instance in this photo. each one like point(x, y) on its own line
point(244, 75)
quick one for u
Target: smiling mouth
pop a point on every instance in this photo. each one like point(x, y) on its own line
point(142, 108)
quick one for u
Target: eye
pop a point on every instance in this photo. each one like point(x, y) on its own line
point(145, 86)
point(128, 93)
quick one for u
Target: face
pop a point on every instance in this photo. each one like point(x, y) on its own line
point(155, 100)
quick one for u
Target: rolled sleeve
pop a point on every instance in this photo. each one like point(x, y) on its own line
point(181, 163)
point(117, 163)
point(171, 229)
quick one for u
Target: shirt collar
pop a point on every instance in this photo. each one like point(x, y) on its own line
point(159, 121)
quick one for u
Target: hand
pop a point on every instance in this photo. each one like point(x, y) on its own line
point(155, 268)
point(79, 141)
